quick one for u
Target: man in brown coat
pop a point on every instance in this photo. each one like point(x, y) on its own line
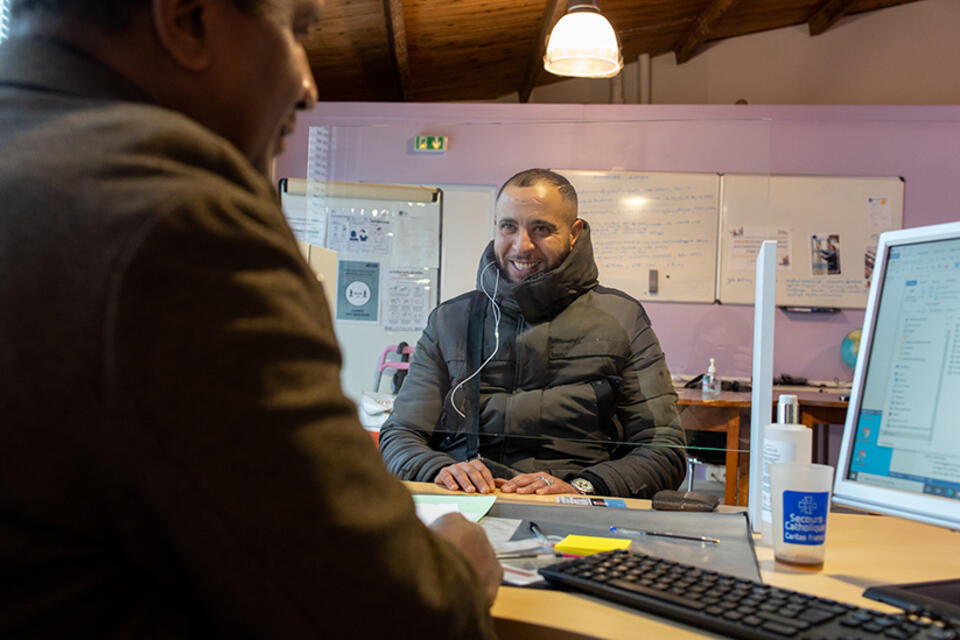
point(176, 456)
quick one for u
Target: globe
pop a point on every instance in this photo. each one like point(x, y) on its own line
point(850, 347)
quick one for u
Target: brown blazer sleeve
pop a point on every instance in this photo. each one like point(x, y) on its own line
point(268, 498)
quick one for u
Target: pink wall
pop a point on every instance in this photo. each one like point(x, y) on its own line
point(489, 142)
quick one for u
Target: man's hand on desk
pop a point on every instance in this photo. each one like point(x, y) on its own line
point(540, 483)
point(472, 477)
point(475, 477)
point(471, 540)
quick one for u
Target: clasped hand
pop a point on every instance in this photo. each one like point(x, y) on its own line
point(474, 477)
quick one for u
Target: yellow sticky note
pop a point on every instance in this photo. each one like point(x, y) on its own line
point(587, 545)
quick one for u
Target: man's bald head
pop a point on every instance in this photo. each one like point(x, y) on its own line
point(531, 177)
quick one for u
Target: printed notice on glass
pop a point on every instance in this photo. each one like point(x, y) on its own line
point(745, 244)
point(358, 291)
point(406, 299)
point(880, 214)
point(358, 235)
point(416, 236)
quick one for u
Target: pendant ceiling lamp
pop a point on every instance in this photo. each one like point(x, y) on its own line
point(583, 44)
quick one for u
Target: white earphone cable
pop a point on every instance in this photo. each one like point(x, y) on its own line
point(496, 333)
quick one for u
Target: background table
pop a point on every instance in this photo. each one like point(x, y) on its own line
point(729, 413)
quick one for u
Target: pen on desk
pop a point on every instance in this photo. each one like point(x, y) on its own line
point(542, 538)
point(517, 556)
point(662, 534)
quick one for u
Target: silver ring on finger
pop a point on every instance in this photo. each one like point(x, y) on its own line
point(546, 481)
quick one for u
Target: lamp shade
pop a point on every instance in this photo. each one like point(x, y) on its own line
point(583, 45)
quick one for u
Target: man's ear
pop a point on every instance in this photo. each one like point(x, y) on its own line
point(575, 230)
point(183, 31)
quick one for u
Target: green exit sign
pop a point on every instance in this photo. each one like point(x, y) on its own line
point(430, 144)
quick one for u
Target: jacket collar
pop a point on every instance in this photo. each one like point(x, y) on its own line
point(545, 294)
point(48, 65)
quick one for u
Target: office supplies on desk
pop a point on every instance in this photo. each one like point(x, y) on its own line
point(734, 554)
point(520, 556)
point(663, 534)
point(539, 534)
point(669, 500)
point(588, 545)
point(729, 605)
point(472, 507)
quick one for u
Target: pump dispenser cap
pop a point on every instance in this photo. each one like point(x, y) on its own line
point(788, 409)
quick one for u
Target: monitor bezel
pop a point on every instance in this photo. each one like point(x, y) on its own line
point(943, 512)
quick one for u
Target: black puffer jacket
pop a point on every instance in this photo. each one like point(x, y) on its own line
point(578, 386)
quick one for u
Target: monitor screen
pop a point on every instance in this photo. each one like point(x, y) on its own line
point(901, 444)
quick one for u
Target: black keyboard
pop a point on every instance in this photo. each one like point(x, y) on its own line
point(729, 605)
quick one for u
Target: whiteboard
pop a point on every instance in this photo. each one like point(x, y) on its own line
point(399, 266)
point(467, 228)
point(654, 234)
point(826, 230)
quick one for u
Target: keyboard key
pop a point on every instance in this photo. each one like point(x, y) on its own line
point(815, 616)
point(659, 595)
point(790, 622)
point(752, 621)
point(780, 629)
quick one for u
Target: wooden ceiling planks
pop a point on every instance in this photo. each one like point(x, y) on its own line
point(828, 14)
point(348, 52)
point(397, 46)
point(483, 49)
point(551, 15)
point(470, 49)
point(701, 28)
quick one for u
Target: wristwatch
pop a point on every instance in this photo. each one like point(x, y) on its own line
point(583, 485)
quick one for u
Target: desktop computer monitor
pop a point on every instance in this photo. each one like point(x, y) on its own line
point(900, 453)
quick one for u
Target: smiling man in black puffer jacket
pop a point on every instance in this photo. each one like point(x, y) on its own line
point(574, 394)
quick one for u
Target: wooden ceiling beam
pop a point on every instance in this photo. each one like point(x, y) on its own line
point(551, 15)
point(700, 30)
point(827, 15)
point(397, 39)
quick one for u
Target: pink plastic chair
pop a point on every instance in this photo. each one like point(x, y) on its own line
point(391, 364)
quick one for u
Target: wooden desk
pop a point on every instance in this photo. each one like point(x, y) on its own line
point(729, 412)
point(862, 551)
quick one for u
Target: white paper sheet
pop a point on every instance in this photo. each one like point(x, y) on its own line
point(745, 243)
point(430, 512)
point(359, 235)
point(416, 240)
point(406, 299)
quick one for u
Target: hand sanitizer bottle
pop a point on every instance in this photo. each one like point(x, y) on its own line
point(710, 384)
